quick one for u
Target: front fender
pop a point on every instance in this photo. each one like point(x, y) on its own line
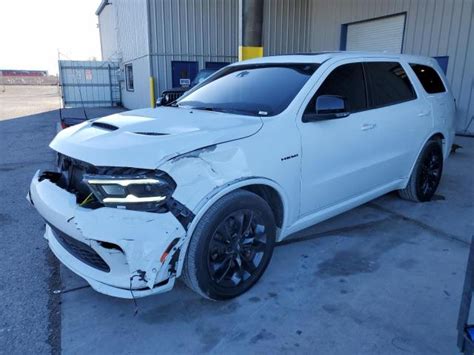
point(205, 175)
point(221, 191)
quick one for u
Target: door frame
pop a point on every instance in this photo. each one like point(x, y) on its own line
point(190, 62)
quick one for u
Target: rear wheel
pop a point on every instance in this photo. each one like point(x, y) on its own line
point(231, 246)
point(426, 174)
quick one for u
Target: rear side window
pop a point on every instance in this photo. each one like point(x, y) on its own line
point(347, 81)
point(388, 84)
point(429, 78)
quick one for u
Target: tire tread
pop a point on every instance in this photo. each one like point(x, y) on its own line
point(409, 192)
point(190, 272)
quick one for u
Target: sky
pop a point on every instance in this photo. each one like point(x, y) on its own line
point(32, 32)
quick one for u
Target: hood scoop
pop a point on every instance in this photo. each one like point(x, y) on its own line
point(106, 126)
point(147, 138)
point(151, 133)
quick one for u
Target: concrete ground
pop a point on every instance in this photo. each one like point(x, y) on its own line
point(384, 278)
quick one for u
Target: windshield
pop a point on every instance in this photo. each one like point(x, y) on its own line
point(202, 75)
point(263, 89)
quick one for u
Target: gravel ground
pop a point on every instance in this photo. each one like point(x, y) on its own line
point(17, 101)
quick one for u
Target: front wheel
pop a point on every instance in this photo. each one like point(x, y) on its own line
point(424, 179)
point(231, 246)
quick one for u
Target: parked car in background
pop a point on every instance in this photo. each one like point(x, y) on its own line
point(171, 95)
point(204, 188)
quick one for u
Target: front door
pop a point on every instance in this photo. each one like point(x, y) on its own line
point(183, 73)
point(335, 152)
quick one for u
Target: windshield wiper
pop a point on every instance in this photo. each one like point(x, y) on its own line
point(229, 110)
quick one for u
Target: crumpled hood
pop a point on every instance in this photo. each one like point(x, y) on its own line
point(148, 137)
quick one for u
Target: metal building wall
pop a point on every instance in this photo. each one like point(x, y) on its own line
point(132, 28)
point(131, 36)
point(191, 30)
point(285, 26)
point(433, 28)
point(108, 33)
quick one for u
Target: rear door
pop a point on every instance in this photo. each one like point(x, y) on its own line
point(436, 93)
point(399, 117)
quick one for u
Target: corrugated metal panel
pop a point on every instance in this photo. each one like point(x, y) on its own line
point(191, 30)
point(285, 26)
point(132, 28)
point(108, 33)
point(124, 38)
point(89, 83)
point(433, 28)
point(380, 35)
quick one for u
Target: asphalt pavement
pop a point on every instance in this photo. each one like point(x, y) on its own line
point(30, 310)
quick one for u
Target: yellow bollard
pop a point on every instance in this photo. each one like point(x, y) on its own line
point(152, 92)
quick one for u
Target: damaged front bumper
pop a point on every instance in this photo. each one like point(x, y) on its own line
point(121, 253)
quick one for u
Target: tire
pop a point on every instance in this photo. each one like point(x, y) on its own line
point(222, 262)
point(426, 174)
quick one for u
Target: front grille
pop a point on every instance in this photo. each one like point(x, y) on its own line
point(81, 251)
point(175, 95)
point(171, 96)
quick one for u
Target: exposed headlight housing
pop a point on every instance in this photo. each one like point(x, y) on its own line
point(143, 192)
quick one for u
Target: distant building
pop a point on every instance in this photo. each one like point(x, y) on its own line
point(170, 40)
point(23, 73)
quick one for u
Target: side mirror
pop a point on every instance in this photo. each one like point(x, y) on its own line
point(328, 107)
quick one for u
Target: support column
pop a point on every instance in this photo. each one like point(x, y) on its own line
point(250, 29)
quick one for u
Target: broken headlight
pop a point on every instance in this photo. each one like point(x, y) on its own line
point(143, 192)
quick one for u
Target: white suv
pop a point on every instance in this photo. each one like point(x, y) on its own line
point(204, 188)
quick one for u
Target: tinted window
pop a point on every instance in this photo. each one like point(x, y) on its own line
point(388, 84)
point(429, 78)
point(251, 89)
point(346, 81)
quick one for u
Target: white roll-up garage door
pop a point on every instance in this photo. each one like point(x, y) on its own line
point(380, 35)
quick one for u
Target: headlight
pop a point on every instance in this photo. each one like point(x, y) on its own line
point(144, 192)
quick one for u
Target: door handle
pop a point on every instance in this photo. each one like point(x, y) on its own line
point(367, 126)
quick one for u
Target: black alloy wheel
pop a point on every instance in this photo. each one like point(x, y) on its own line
point(231, 246)
point(237, 248)
point(426, 175)
point(430, 174)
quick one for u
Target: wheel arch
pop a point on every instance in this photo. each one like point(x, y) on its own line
point(434, 136)
point(440, 137)
point(268, 189)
